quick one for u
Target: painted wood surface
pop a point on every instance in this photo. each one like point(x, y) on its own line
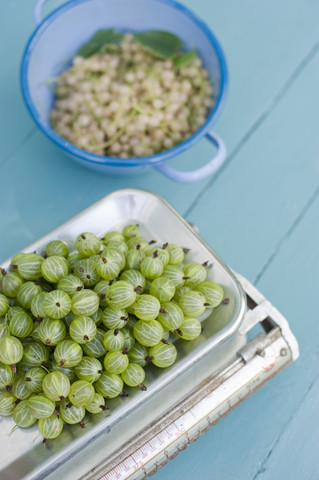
point(260, 213)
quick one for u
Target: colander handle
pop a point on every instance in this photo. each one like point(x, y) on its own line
point(199, 173)
point(37, 11)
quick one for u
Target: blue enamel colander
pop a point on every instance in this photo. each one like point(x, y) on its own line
point(59, 36)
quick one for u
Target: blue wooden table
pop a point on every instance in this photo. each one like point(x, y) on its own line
point(260, 212)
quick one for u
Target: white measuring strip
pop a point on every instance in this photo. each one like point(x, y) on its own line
point(156, 451)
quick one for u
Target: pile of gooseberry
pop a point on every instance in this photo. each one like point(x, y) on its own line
point(76, 327)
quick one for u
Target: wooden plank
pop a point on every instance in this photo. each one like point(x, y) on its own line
point(247, 211)
point(273, 434)
point(259, 66)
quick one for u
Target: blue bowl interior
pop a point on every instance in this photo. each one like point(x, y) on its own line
point(58, 38)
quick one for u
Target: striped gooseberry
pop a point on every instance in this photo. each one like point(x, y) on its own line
point(34, 378)
point(115, 362)
point(138, 354)
point(81, 392)
point(35, 354)
point(85, 302)
point(86, 271)
point(148, 333)
point(162, 288)
point(189, 329)
point(97, 404)
point(71, 414)
point(88, 244)
point(146, 307)
point(131, 231)
point(89, 369)
point(10, 283)
point(195, 273)
point(11, 351)
point(29, 266)
point(134, 376)
point(82, 329)
point(68, 353)
point(163, 355)
point(213, 293)
point(21, 325)
point(56, 247)
point(4, 305)
point(193, 303)
point(26, 292)
point(56, 386)
point(113, 340)
point(70, 284)
point(120, 294)
point(22, 415)
point(95, 348)
point(41, 406)
point(7, 403)
point(109, 385)
point(152, 267)
point(176, 254)
point(51, 331)
point(54, 268)
point(50, 427)
point(171, 316)
point(113, 318)
point(57, 304)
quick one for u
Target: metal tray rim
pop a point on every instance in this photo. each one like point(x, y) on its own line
point(51, 464)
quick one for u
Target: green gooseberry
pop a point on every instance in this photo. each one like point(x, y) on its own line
point(56, 248)
point(34, 378)
point(21, 325)
point(50, 427)
point(4, 304)
point(163, 355)
point(51, 331)
point(131, 231)
point(7, 403)
point(41, 406)
point(35, 354)
point(85, 302)
point(82, 329)
point(26, 292)
point(10, 284)
point(22, 415)
point(115, 362)
point(97, 405)
point(134, 376)
point(86, 270)
point(88, 244)
point(56, 386)
point(95, 348)
point(89, 369)
point(68, 353)
point(11, 351)
point(54, 268)
point(70, 284)
point(81, 392)
point(57, 304)
point(109, 385)
point(29, 266)
point(71, 414)
point(36, 306)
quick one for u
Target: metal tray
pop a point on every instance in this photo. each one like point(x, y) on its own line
point(25, 457)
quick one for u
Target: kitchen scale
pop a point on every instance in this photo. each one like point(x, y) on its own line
point(245, 342)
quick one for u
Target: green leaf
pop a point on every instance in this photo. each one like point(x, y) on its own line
point(99, 41)
point(184, 59)
point(162, 44)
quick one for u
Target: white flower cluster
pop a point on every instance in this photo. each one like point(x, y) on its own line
point(128, 103)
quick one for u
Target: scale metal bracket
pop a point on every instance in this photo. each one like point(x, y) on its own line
point(256, 362)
